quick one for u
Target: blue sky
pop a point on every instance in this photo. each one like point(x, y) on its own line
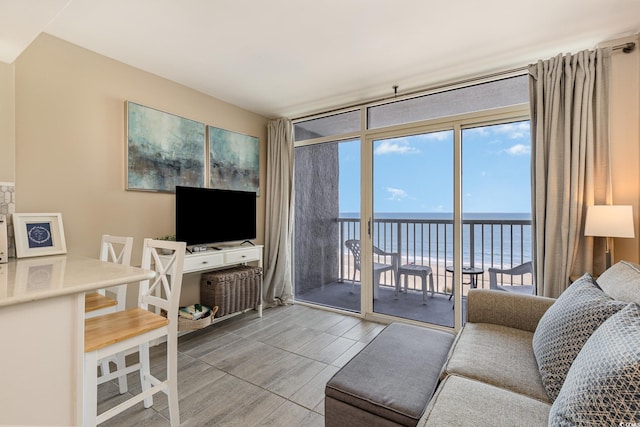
point(415, 173)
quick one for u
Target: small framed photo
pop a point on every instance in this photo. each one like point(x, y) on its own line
point(39, 234)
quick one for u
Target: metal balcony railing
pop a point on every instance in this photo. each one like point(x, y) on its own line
point(499, 243)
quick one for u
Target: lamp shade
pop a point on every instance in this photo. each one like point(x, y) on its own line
point(609, 221)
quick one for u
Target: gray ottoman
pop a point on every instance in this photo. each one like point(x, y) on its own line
point(390, 381)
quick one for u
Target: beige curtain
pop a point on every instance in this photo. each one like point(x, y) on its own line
point(277, 286)
point(569, 98)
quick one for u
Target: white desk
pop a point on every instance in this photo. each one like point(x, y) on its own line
point(226, 256)
point(42, 334)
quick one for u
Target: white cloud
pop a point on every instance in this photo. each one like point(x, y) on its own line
point(444, 135)
point(397, 146)
point(396, 194)
point(512, 130)
point(519, 150)
point(482, 131)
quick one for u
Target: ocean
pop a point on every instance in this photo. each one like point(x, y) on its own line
point(497, 239)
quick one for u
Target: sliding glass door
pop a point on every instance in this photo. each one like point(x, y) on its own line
point(412, 226)
point(403, 205)
point(496, 204)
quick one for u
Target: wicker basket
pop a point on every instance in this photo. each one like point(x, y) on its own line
point(232, 289)
point(192, 325)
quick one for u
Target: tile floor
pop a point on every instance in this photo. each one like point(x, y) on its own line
point(249, 371)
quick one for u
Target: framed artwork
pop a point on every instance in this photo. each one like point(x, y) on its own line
point(163, 150)
point(233, 161)
point(39, 234)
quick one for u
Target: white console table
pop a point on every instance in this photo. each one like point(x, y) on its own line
point(226, 256)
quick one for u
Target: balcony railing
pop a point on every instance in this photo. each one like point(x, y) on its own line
point(499, 243)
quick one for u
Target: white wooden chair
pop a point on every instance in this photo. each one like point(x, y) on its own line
point(136, 327)
point(114, 249)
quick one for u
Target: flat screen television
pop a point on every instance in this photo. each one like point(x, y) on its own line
point(205, 216)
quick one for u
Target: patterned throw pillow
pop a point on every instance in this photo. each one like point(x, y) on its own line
point(603, 384)
point(566, 326)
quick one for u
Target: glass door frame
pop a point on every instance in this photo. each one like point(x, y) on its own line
point(457, 124)
point(366, 136)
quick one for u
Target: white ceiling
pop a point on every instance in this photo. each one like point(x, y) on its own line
point(292, 57)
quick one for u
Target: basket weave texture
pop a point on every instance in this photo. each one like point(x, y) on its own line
point(232, 289)
point(192, 325)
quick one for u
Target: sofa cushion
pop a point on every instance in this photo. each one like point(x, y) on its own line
point(393, 377)
point(622, 282)
point(603, 385)
point(464, 402)
point(497, 355)
point(566, 326)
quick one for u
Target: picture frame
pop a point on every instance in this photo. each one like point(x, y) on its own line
point(39, 234)
point(163, 150)
point(234, 160)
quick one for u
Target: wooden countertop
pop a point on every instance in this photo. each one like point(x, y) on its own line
point(32, 279)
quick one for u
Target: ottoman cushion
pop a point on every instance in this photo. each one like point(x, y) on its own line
point(395, 375)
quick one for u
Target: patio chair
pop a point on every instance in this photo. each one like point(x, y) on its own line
point(518, 270)
point(378, 268)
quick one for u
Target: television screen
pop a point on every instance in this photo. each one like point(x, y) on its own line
point(205, 216)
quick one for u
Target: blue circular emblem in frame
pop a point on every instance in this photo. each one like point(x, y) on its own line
point(39, 235)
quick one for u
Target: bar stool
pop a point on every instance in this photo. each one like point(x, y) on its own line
point(113, 333)
point(416, 270)
point(114, 249)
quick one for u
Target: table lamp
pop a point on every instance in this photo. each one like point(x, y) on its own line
point(609, 221)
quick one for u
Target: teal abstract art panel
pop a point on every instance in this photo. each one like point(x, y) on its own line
point(163, 150)
point(233, 161)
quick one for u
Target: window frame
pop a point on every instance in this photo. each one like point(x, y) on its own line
point(457, 123)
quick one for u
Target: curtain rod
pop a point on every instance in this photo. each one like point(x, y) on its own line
point(625, 47)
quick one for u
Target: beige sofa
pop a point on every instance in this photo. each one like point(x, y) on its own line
point(516, 355)
point(492, 376)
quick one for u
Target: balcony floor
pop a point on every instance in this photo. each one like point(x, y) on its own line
point(437, 310)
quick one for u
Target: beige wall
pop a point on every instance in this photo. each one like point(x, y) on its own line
point(70, 142)
point(7, 124)
point(625, 141)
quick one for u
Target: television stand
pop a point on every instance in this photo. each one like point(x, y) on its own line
point(226, 256)
point(247, 241)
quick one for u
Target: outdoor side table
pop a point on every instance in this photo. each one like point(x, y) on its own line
point(473, 273)
point(416, 270)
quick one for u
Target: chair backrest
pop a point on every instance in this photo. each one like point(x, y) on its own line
point(116, 249)
point(354, 246)
point(518, 270)
point(162, 292)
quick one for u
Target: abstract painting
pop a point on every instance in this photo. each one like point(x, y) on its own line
point(163, 150)
point(233, 161)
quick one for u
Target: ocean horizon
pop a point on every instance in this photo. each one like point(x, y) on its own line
point(501, 245)
point(442, 215)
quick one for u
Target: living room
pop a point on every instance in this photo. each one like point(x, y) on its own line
point(62, 144)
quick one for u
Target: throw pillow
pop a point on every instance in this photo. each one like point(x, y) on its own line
point(566, 326)
point(603, 385)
